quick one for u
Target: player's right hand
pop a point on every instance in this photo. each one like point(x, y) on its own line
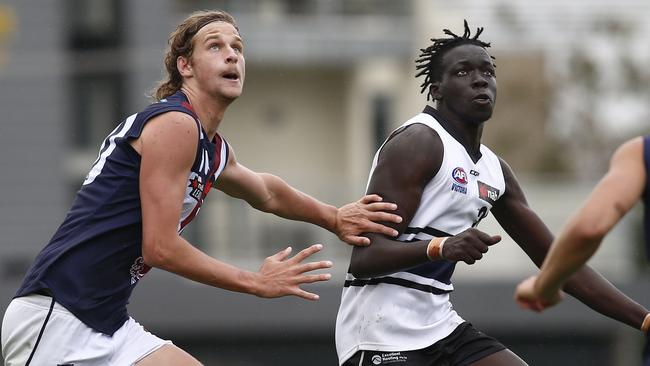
point(468, 246)
point(527, 297)
point(365, 216)
point(281, 276)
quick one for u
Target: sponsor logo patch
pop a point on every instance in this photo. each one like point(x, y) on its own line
point(487, 193)
point(196, 187)
point(388, 358)
point(458, 188)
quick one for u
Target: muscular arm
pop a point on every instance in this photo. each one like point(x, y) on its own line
point(269, 193)
point(617, 192)
point(531, 234)
point(167, 147)
point(404, 166)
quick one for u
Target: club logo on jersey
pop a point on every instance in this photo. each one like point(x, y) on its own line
point(459, 175)
point(138, 270)
point(196, 187)
point(487, 193)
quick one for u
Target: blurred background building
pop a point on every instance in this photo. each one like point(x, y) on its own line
point(327, 80)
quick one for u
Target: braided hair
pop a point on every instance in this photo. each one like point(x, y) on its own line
point(429, 61)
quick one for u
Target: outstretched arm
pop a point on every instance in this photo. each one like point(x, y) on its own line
point(269, 193)
point(611, 199)
point(528, 230)
point(406, 163)
point(167, 147)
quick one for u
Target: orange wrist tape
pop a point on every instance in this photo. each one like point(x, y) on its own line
point(646, 323)
point(434, 249)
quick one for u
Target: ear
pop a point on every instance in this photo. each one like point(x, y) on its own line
point(184, 66)
point(435, 91)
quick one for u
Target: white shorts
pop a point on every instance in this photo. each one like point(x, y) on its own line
point(65, 340)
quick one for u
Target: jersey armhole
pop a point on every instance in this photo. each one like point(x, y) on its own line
point(135, 132)
point(646, 164)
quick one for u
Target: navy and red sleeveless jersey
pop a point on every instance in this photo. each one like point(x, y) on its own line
point(94, 260)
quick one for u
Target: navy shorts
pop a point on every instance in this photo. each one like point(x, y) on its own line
point(463, 346)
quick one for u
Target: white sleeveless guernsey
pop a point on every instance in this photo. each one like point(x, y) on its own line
point(410, 310)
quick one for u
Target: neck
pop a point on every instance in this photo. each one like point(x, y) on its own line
point(467, 132)
point(209, 109)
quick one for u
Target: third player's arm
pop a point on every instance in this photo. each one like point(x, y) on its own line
point(616, 193)
point(527, 229)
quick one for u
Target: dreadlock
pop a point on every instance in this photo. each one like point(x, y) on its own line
point(430, 58)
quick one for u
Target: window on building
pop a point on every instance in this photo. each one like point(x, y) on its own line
point(96, 81)
point(96, 108)
point(94, 23)
point(381, 116)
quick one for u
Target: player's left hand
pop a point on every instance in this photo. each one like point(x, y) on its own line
point(280, 275)
point(528, 298)
point(363, 216)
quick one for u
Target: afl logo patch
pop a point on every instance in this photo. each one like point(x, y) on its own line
point(459, 175)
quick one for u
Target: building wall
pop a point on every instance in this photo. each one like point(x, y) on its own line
point(32, 132)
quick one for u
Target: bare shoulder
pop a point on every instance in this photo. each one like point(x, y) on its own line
point(174, 129)
point(508, 173)
point(232, 159)
point(416, 142)
point(172, 123)
point(415, 134)
point(513, 191)
point(171, 137)
point(411, 157)
point(630, 149)
point(628, 164)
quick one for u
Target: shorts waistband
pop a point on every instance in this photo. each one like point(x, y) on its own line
point(44, 292)
point(41, 301)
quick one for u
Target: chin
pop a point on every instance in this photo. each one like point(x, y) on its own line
point(482, 116)
point(229, 95)
point(486, 117)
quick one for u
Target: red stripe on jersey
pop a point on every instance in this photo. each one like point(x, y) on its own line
point(188, 106)
point(218, 142)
